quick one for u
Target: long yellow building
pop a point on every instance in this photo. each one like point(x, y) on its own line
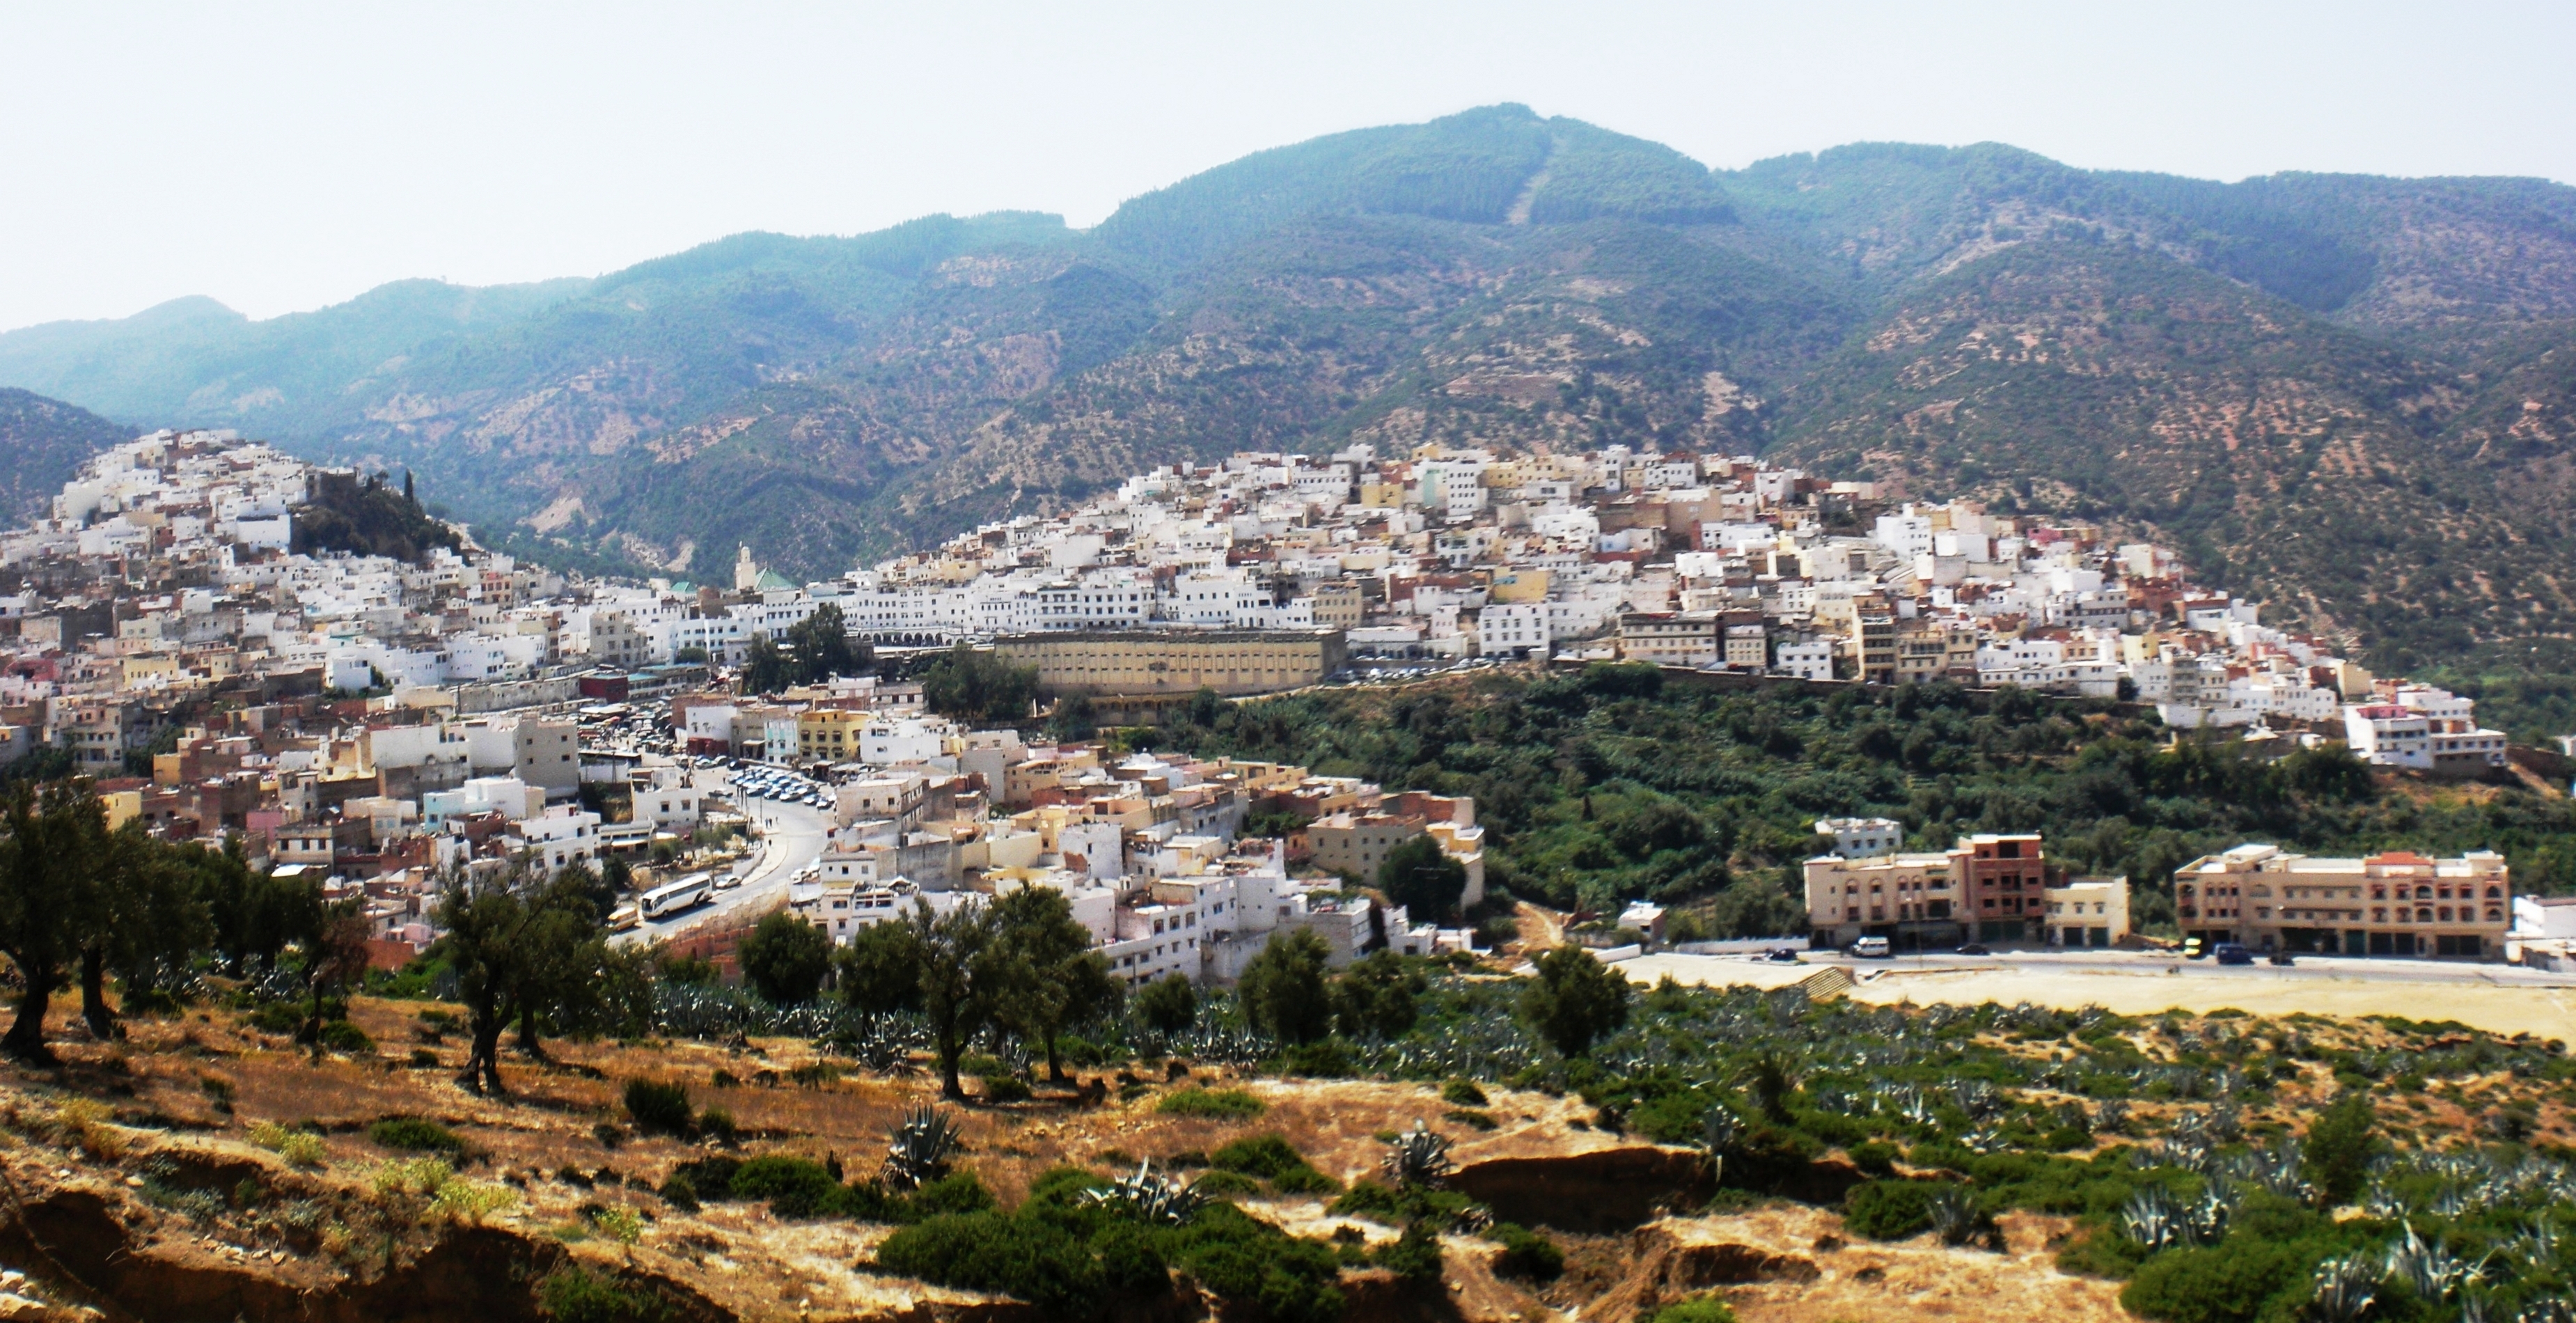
point(1229, 661)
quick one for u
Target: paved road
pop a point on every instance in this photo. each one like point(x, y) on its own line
point(2309, 967)
point(791, 836)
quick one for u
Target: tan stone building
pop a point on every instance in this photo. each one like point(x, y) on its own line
point(2399, 903)
point(1177, 662)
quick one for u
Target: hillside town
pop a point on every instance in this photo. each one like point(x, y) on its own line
point(379, 722)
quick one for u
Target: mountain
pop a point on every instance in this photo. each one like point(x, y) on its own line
point(43, 443)
point(2348, 394)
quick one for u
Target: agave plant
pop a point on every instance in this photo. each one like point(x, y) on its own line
point(2552, 1310)
point(1957, 1218)
point(1718, 1130)
point(1147, 1197)
point(1417, 1157)
point(2207, 1216)
point(2430, 1269)
point(2154, 1219)
point(2346, 1288)
point(920, 1148)
point(2276, 1169)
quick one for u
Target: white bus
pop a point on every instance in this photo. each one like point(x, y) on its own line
point(674, 897)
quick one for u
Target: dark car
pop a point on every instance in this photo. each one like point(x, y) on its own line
point(1975, 948)
point(1786, 955)
point(2282, 958)
point(2233, 953)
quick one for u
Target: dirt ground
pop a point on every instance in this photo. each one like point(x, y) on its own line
point(2496, 1007)
point(192, 1089)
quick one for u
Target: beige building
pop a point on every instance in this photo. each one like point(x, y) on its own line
point(1152, 662)
point(2398, 903)
point(2088, 911)
point(1913, 899)
point(1671, 638)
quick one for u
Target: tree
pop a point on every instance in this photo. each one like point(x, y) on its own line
point(784, 958)
point(959, 980)
point(1168, 1004)
point(1376, 996)
point(522, 946)
point(334, 959)
point(981, 686)
point(2335, 1154)
point(49, 898)
point(153, 922)
point(1423, 878)
point(880, 970)
point(1575, 1000)
point(766, 668)
point(254, 914)
point(1283, 990)
point(821, 646)
point(1073, 719)
point(1055, 979)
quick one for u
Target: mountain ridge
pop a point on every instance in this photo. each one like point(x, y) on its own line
point(1503, 277)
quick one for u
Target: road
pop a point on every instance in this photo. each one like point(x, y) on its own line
point(791, 836)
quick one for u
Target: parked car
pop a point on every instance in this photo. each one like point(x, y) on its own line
point(2233, 953)
point(2282, 958)
point(2191, 949)
point(1871, 948)
point(1784, 955)
point(1975, 948)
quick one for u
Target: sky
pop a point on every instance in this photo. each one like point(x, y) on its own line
point(284, 157)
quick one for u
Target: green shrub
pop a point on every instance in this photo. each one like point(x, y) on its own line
point(2230, 1282)
point(1526, 1253)
point(577, 1295)
point(1891, 1210)
point(1029, 1258)
point(1413, 1256)
point(415, 1135)
point(1303, 1180)
point(717, 1123)
point(1874, 1157)
point(794, 1187)
point(1462, 1093)
point(710, 1177)
point(1216, 1104)
point(1006, 1088)
point(1266, 1156)
point(655, 1106)
point(680, 1192)
point(952, 1194)
point(342, 1036)
point(1221, 1184)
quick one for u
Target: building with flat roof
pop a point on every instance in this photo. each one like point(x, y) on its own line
point(2399, 903)
point(1229, 661)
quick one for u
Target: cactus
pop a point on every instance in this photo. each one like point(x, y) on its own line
point(1147, 1197)
point(2346, 1288)
point(1417, 1157)
point(920, 1149)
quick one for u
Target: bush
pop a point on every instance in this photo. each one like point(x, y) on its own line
point(1462, 1093)
point(1876, 1158)
point(1265, 1156)
point(1215, 1104)
point(2230, 1282)
point(1413, 1256)
point(1891, 1210)
point(716, 1123)
point(1006, 1088)
point(1168, 1004)
point(1303, 1180)
point(577, 1295)
point(1033, 1260)
point(1223, 1184)
point(415, 1135)
point(655, 1106)
point(1526, 1253)
point(784, 959)
point(342, 1036)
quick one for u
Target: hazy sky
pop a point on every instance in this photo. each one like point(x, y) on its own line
point(285, 157)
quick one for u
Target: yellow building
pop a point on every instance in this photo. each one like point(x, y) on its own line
point(1149, 662)
point(829, 734)
point(1518, 586)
